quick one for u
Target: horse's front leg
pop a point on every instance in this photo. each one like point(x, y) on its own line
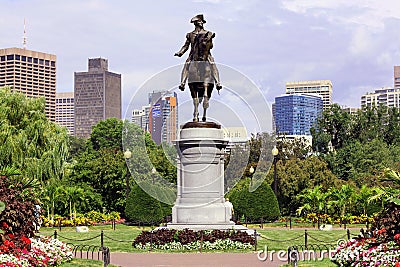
point(206, 103)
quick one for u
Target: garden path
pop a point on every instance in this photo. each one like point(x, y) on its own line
point(190, 259)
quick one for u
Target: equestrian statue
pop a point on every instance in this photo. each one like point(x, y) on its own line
point(200, 70)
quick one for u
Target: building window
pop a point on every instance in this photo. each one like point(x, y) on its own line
point(10, 57)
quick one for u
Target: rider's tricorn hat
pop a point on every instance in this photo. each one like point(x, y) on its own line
point(198, 17)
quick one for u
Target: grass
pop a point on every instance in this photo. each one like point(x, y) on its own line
point(84, 263)
point(281, 239)
point(323, 263)
point(273, 239)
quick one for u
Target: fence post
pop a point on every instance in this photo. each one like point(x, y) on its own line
point(106, 256)
point(290, 222)
point(255, 240)
point(59, 223)
point(305, 239)
point(102, 239)
point(55, 234)
point(151, 240)
point(201, 241)
point(348, 234)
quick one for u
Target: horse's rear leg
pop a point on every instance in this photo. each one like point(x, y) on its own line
point(196, 109)
point(206, 104)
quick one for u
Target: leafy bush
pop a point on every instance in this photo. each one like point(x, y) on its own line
point(18, 217)
point(389, 219)
point(90, 218)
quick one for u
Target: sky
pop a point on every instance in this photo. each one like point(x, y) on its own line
point(355, 44)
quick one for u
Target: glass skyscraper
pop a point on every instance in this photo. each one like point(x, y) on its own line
point(295, 114)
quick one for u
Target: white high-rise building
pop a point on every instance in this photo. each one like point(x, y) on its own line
point(321, 87)
point(65, 110)
point(384, 96)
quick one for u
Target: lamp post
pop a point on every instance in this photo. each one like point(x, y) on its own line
point(275, 152)
point(127, 156)
point(153, 173)
point(251, 171)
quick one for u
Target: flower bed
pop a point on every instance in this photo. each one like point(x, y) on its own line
point(169, 239)
point(43, 252)
point(368, 252)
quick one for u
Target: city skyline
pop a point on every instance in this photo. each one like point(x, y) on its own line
point(355, 45)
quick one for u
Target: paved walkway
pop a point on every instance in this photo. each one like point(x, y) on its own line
point(190, 259)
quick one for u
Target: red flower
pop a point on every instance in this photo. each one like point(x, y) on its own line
point(11, 236)
point(397, 264)
point(26, 240)
point(9, 243)
point(5, 225)
point(382, 231)
point(397, 237)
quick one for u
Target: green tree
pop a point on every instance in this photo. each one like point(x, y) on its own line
point(343, 199)
point(313, 200)
point(296, 175)
point(107, 134)
point(363, 163)
point(29, 142)
point(334, 126)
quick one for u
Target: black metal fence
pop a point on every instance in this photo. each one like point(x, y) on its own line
point(91, 251)
point(85, 251)
point(306, 242)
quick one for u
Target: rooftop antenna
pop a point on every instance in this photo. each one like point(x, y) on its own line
point(24, 40)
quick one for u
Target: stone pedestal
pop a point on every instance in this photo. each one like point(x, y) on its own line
point(200, 202)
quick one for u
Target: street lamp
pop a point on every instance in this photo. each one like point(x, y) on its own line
point(251, 170)
point(153, 173)
point(275, 152)
point(127, 156)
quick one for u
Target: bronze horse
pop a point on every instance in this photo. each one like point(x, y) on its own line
point(200, 69)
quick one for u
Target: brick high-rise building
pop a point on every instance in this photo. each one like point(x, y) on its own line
point(65, 110)
point(321, 87)
point(31, 73)
point(396, 76)
point(97, 96)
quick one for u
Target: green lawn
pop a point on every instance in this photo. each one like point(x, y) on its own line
point(281, 239)
point(274, 239)
point(323, 263)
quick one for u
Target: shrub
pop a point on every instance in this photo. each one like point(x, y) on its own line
point(389, 219)
point(258, 205)
point(142, 208)
point(18, 217)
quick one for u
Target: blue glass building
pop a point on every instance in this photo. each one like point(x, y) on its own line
point(295, 114)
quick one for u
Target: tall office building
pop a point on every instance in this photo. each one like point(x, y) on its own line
point(163, 116)
point(141, 117)
point(295, 114)
point(97, 96)
point(384, 96)
point(31, 73)
point(321, 87)
point(65, 110)
point(396, 76)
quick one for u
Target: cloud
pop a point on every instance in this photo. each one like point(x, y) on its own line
point(370, 13)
